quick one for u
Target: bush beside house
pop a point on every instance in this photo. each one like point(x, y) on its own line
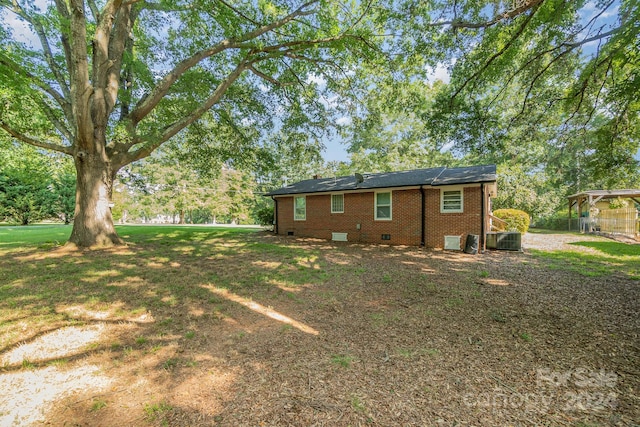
point(516, 220)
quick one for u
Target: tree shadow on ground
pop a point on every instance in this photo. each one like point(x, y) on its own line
point(399, 328)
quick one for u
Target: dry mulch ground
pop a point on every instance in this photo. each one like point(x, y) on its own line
point(378, 335)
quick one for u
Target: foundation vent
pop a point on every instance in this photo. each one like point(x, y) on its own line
point(452, 243)
point(339, 237)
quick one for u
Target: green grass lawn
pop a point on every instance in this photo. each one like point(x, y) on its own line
point(39, 235)
point(57, 234)
point(161, 267)
point(603, 258)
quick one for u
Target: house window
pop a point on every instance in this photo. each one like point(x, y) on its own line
point(451, 201)
point(299, 208)
point(337, 203)
point(383, 205)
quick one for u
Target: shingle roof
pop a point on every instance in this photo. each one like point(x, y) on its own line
point(432, 176)
point(629, 192)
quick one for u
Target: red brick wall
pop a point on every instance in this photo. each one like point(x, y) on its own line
point(438, 225)
point(404, 227)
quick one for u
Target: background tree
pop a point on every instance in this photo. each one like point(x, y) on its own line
point(164, 186)
point(26, 193)
point(527, 190)
point(549, 73)
point(543, 88)
point(393, 133)
point(64, 190)
point(287, 158)
point(239, 188)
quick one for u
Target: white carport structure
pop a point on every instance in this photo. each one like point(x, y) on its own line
point(587, 200)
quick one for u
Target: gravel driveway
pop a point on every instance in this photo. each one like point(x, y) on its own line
point(557, 241)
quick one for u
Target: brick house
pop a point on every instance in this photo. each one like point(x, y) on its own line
point(436, 207)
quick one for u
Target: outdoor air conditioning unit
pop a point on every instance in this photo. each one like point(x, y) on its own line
point(452, 243)
point(508, 241)
point(492, 240)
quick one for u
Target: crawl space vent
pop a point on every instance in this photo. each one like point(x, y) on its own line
point(339, 237)
point(452, 243)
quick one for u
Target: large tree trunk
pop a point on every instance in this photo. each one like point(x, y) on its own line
point(93, 223)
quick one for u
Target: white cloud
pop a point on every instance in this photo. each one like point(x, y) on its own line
point(314, 78)
point(342, 121)
point(447, 146)
point(610, 13)
point(440, 72)
point(20, 30)
point(330, 103)
point(591, 11)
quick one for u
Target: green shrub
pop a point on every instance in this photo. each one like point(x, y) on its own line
point(516, 220)
point(264, 215)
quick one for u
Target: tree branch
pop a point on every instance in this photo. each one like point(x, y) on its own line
point(155, 6)
point(600, 90)
point(266, 77)
point(475, 75)
point(81, 90)
point(108, 45)
point(595, 17)
point(564, 45)
point(151, 100)
point(538, 75)
point(585, 84)
point(509, 14)
point(239, 13)
point(225, 117)
point(33, 141)
point(120, 41)
point(44, 41)
point(282, 49)
point(49, 112)
point(591, 39)
point(152, 142)
point(63, 10)
point(44, 86)
point(126, 82)
point(95, 12)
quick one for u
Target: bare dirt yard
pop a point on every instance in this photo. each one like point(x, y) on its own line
point(256, 330)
